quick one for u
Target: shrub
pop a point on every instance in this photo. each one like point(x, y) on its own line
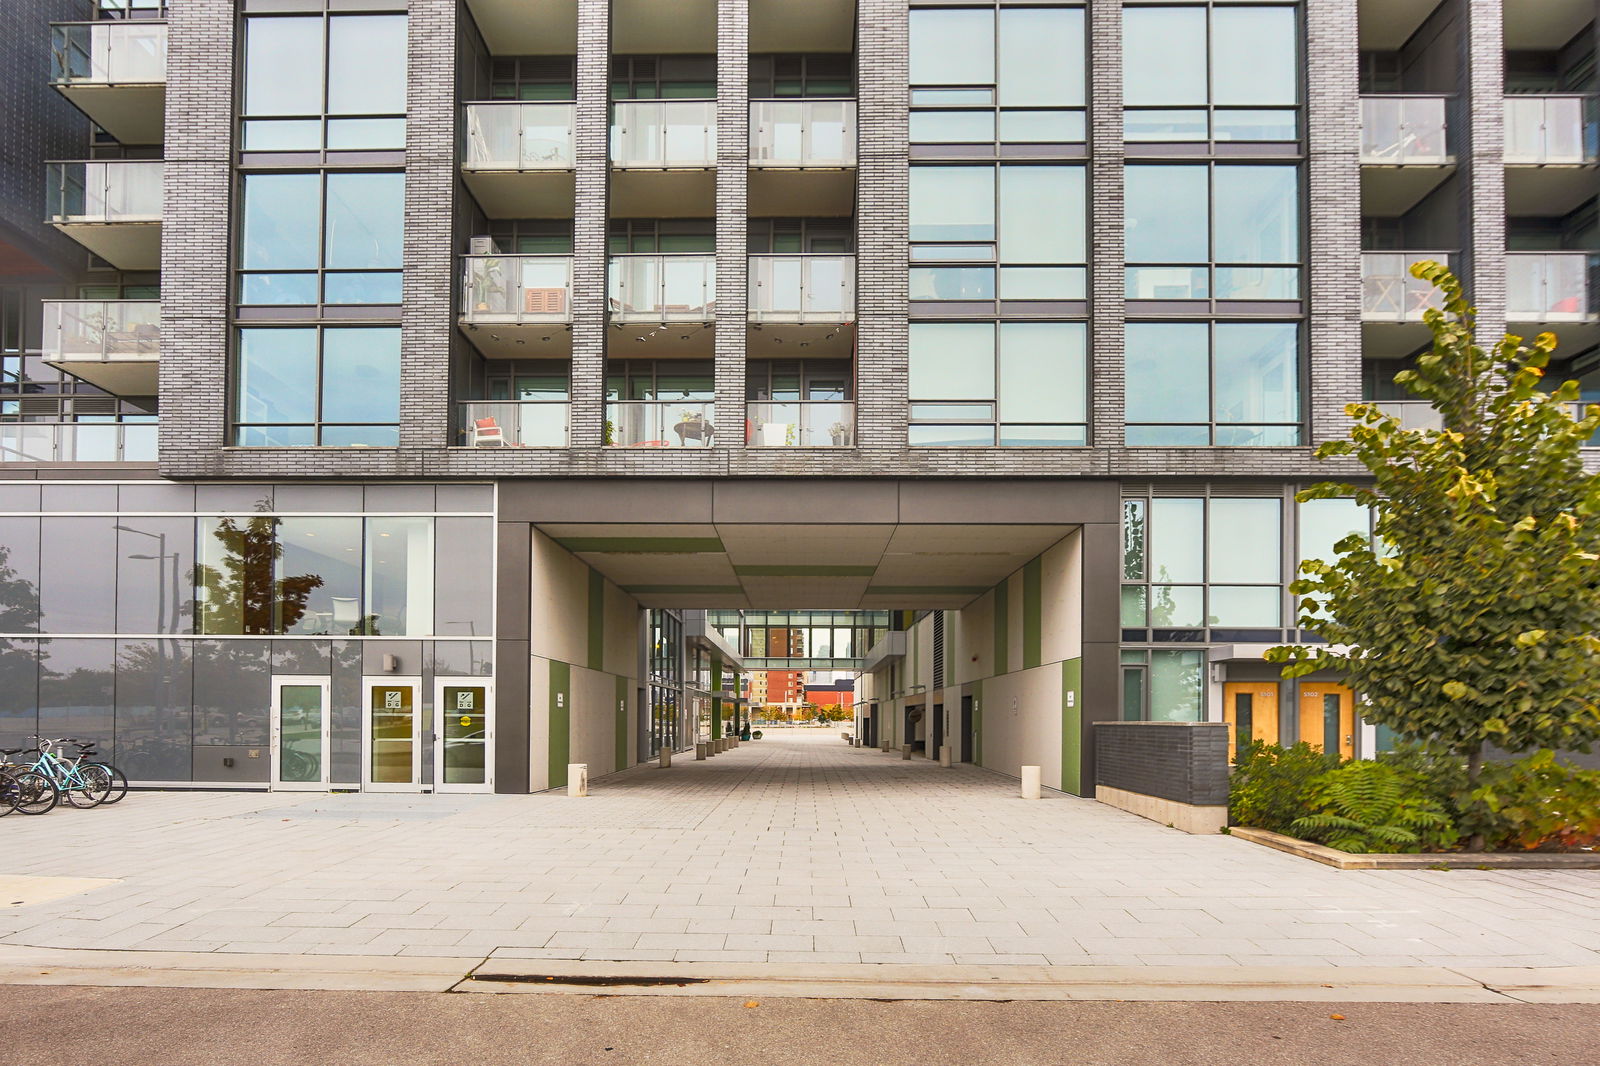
point(1535, 802)
point(1365, 807)
point(1268, 789)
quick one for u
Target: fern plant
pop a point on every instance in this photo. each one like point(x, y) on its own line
point(1366, 807)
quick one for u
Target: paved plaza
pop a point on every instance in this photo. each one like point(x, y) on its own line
point(793, 849)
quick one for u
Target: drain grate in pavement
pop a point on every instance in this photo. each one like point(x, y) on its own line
point(349, 814)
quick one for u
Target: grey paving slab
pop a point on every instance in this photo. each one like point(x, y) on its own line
point(796, 848)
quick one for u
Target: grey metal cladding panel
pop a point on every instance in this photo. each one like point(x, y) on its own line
point(853, 503)
point(1184, 762)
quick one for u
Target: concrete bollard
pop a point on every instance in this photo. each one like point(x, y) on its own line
point(886, 745)
point(666, 757)
point(700, 750)
point(1030, 782)
point(944, 755)
point(905, 751)
point(722, 744)
point(577, 779)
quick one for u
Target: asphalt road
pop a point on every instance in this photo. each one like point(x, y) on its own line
point(49, 1026)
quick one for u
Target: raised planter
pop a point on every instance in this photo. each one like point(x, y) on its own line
point(1446, 860)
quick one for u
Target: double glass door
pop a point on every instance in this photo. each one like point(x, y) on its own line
point(460, 729)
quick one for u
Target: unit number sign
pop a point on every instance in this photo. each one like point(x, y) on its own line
point(464, 700)
point(391, 700)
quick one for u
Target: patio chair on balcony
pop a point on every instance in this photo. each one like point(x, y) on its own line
point(487, 431)
point(549, 301)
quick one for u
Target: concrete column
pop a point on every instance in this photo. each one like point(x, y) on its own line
point(577, 779)
point(1030, 783)
point(592, 150)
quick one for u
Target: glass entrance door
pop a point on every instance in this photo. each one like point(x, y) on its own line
point(392, 716)
point(300, 733)
point(463, 742)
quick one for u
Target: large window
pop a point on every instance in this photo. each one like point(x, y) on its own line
point(1013, 232)
point(315, 82)
point(1194, 384)
point(1018, 384)
point(1224, 72)
point(1203, 231)
point(309, 386)
point(1193, 563)
point(1014, 76)
point(322, 238)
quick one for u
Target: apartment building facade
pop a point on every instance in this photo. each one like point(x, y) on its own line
point(386, 383)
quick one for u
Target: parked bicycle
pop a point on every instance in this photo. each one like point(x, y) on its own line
point(119, 780)
point(83, 783)
point(24, 789)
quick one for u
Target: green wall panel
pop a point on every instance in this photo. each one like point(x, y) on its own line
point(1033, 614)
point(597, 621)
point(1002, 626)
point(622, 724)
point(560, 722)
point(1072, 726)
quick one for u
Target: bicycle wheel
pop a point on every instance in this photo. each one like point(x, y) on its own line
point(88, 786)
point(8, 794)
point(34, 792)
point(119, 782)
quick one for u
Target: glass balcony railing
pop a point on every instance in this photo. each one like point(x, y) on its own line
point(802, 424)
point(108, 53)
point(660, 424)
point(659, 134)
point(802, 288)
point(77, 442)
point(663, 288)
point(514, 424)
point(1549, 129)
point(516, 288)
point(1552, 286)
point(1405, 130)
point(1388, 291)
point(112, 190)
point(1413, 414)
point(514, 135)
point(803, 133)
point(1420, 414)
point(105, 331)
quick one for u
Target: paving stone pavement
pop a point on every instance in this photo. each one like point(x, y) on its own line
point(796, 848)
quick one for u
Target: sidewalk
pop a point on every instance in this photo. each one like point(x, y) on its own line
point(794, 850)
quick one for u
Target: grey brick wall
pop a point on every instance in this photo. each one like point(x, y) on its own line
point(1333, 197)
point(1480, 154)
point(194, 372)
point(1186, 762)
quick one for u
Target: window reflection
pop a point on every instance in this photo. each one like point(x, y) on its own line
point(399, 584)
point(318, 574)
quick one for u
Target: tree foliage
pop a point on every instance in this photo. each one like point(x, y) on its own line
point(1471, 617)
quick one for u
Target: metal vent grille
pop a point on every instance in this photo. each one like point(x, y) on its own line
point(938, 650)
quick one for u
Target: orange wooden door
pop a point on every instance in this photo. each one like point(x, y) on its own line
point(1251, 710)
point(1328, 718)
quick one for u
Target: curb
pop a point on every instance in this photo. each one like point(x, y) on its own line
point(1355, 984)
point(1343, 860)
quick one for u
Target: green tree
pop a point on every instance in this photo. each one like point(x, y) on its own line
point(1471, 618)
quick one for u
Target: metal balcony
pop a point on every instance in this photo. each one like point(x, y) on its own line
point(1406, 150)
point(660, 424)
point(513, 424)
point(663, 288)
point(1552, 286)
point(517, 306)
point(115, 72)
point(518, 157)
point(78, 442)
point(801, 424)
point(112, 207)
point(1388, 291)
point(113, 345)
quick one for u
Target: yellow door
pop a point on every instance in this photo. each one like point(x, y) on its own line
point(1328, 718)
point(1251, 709)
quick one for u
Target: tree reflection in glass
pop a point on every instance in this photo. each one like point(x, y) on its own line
point(19, 605)
point(239, 589)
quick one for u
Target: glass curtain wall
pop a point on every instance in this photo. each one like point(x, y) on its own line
point(316, 238)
